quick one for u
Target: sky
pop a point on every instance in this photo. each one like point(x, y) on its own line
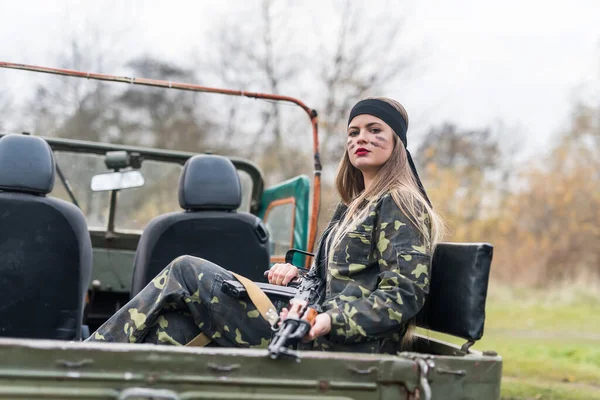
point(522, 63)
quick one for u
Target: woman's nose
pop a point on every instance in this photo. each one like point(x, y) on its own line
point(362, 137)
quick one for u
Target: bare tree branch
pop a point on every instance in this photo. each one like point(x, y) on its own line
point(366, 57)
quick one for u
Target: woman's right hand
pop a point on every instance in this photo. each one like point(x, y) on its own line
point(282, 274)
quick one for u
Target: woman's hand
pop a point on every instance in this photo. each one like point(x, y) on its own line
point(321, 327)
point(282, 274)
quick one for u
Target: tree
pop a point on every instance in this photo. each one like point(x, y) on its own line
point(268, 53)
point(458, 168)
point(156, 117)
point(555, 226)
point(256, 56)
point(367, 57)
point(74, 108)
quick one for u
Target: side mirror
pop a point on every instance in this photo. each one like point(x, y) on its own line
point(117, 181)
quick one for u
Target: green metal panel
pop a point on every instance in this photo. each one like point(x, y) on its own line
point(42, 369)
point(299, 188)
point(54, 369)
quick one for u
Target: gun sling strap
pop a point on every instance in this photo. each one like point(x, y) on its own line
point(260, 300)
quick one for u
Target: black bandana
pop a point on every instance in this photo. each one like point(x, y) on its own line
point(388, 114)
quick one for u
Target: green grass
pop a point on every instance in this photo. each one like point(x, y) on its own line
point(549, 342)
point(515, 389)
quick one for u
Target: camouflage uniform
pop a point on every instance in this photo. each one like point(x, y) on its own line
point(182, 301)
point(376, 282)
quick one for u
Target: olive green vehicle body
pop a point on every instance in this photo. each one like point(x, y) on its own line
point(40, 369)
point(57, 369)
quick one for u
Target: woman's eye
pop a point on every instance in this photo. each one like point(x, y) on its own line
point(375, 130)
point(352, 133)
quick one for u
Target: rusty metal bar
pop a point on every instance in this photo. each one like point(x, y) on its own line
point(312, 115)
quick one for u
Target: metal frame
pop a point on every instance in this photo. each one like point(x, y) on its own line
point(287, 200)
point(174, 156)
point(311, 113)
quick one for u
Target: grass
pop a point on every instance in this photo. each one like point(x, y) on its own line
point(549, 341)
point(518, 389)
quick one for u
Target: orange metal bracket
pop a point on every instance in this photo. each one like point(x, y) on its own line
point(287, 200)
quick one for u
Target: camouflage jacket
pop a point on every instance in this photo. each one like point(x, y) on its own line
point(377, 281)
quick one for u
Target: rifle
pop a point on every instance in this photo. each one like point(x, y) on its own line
point(304, 301)
point(304, 308)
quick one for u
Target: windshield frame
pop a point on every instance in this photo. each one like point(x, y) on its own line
point(173, 156)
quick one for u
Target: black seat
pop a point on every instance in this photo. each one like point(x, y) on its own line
point(210, 228)
point(458, 290)
point(45, 248)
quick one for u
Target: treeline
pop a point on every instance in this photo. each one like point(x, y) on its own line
point(542, 214)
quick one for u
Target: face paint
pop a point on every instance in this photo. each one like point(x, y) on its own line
point(381, 139)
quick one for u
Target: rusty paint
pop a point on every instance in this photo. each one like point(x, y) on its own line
point(323, 386)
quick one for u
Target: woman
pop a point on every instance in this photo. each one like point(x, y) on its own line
point(376, 255)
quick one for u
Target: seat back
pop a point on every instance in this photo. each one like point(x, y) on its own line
point(45, 248)
point(210, 227)
point(458, 290)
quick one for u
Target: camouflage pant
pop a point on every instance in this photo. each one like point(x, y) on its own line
point(182, 301)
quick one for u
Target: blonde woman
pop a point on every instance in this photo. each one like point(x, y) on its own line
point(374, 259)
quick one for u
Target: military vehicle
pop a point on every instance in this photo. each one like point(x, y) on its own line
point(73, 253)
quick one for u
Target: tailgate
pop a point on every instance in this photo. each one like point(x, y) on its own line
point(53, 369)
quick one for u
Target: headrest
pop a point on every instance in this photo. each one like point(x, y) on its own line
point(26, 164)
point(209, 182)
point(458, 290)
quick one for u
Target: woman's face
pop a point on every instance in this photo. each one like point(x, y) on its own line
point(370, 143)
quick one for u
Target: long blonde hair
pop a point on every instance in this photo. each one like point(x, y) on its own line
point(395, 177)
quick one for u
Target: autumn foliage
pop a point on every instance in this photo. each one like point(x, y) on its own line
point(542, 216)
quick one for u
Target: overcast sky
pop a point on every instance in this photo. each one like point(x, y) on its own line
point(522, 62)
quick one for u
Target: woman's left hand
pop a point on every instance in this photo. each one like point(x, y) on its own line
point(321, 327)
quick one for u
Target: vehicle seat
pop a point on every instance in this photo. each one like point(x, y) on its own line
point(210, 227)
point(45, 247)
point(458, 290)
